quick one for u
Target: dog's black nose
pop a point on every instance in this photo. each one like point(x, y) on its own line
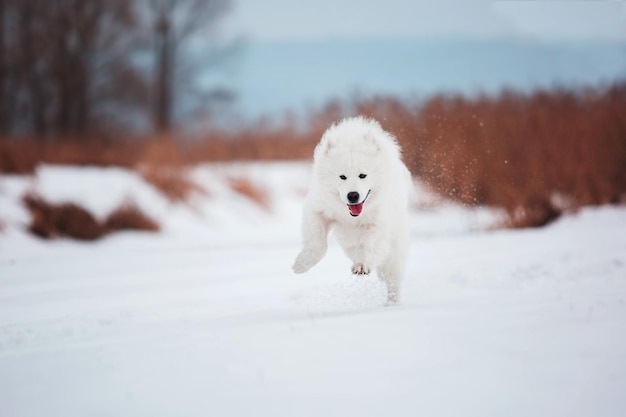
point(353, 197)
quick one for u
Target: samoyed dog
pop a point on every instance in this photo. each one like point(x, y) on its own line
point(360, 189)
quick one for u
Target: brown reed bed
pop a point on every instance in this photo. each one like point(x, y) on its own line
point(533, 154)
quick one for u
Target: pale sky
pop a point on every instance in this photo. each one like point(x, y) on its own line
point(537, 19)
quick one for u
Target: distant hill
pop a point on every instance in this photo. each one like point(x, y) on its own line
point(275, 76)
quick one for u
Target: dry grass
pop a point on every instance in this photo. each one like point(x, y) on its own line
point(252, 191)
point(129, 217)
point(18, 157)
point(22, 156)
point(50, 221)
point(69, 220)
point(517, 151)
point(172, 181)
point(514, 151)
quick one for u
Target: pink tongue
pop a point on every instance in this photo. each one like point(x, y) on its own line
point(355, 209)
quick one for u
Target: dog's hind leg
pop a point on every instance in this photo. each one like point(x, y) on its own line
point(390, 272)
point(391, 280)
point(315, 241)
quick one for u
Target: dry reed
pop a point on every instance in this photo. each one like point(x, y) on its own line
point(534, 155)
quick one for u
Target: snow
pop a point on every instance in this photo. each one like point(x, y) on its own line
point(206, 317)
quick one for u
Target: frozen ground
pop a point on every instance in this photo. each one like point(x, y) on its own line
point(206, 318)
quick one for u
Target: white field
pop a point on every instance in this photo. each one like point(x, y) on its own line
point(207, 319)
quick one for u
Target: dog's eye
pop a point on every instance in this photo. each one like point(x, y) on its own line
point(362, 176)
point(343, 177)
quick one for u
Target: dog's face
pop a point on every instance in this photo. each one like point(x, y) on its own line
point(353, 174)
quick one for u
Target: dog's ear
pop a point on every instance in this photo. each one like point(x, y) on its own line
point(324, 147)
point(328, 145)
point(371, 139)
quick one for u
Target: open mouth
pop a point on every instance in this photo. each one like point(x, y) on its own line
point(356, 209)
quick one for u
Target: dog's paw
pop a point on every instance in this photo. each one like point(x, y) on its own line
point(299, 267)
point(307, 258)
point(360, 269)
point(302, 263)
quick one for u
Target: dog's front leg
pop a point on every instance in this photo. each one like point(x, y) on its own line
point(315, 241)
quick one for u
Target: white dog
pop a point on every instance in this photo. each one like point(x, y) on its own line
point(360, 189)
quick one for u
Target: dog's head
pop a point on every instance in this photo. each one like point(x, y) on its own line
point(351, 157)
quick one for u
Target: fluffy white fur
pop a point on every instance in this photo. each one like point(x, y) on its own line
point(357, 156)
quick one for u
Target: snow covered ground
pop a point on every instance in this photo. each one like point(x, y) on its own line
point(207, 319)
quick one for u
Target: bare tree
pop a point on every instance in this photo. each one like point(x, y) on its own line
point(174, 23)
point(52, 62)
point(25, 64)
point(3, 72)
point(119, 85)
point(72, 67)
point(76, 30)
